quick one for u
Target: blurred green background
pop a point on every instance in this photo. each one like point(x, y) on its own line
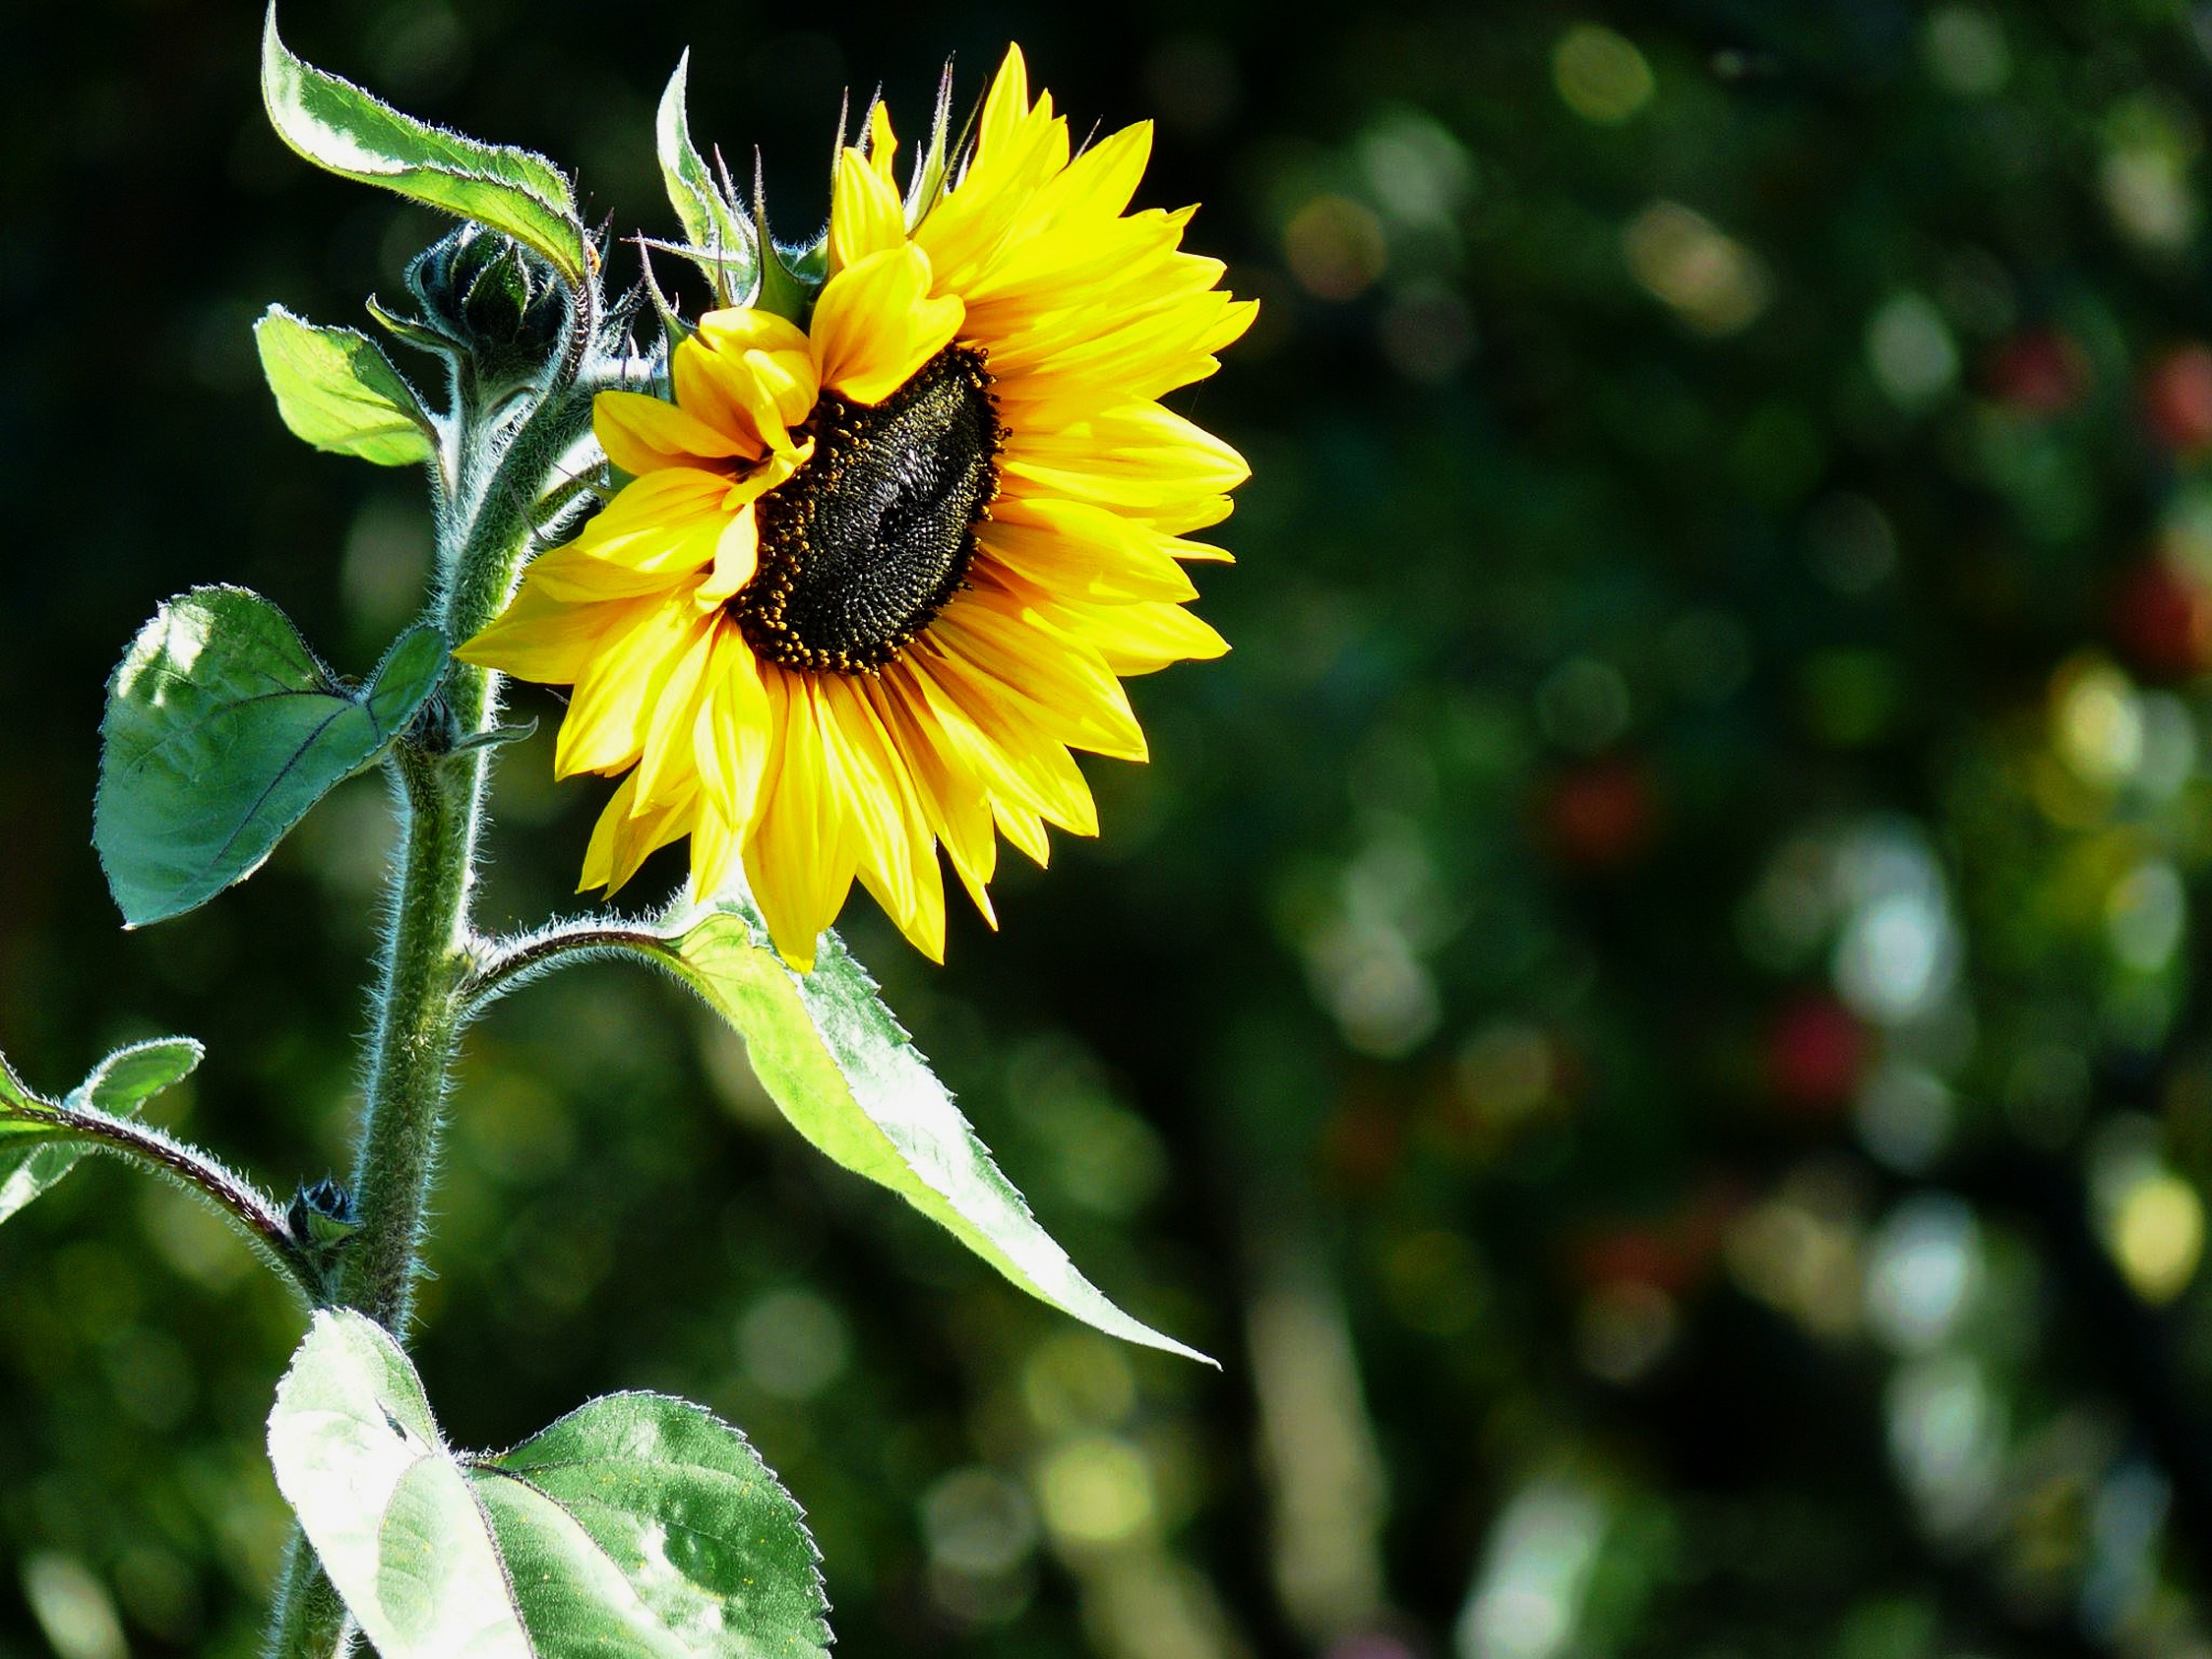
point(1646, 1012)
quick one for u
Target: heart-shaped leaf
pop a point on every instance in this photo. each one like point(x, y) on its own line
point(223, 729)
point(386, 1505)
point(638, 1525)
point(338, 391)
point(345, 130)
point(849, 1078)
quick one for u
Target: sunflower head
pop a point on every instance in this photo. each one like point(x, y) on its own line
point(911, 514)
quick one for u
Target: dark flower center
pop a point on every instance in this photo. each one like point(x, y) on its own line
point(869, 540)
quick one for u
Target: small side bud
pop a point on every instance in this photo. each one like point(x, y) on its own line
point(322, 1217)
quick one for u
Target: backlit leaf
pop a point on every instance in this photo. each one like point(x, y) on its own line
point(33, 1156)
point(851, 1080)
point(335, 390)
point(720, 239)
point(637, 1527)
point(345, 130)
point(223, 729)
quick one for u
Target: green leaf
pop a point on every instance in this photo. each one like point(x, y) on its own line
point(32, 1159)
point(706, 1537)
point(849, 1078)
point(223, 729)
point(13, 1090)
point(335, 390)
point(636, 1526)
point(721, 239)
point(386, 1505)
point(131, 1077)
point(346, 131)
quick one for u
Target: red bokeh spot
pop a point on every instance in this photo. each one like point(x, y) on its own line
point(1814, 1055)
point(2162, 621)
point(2178, 399)
point(1602, 815)
point(2042, 372)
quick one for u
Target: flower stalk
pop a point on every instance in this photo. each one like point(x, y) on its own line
point(500, 463)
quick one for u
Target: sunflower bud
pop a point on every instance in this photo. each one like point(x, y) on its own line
point(488, 294)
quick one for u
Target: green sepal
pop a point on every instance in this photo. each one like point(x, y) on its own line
point(223, 729)
point(347, 131)
point(931, 170)
point(33, 1153)
point(417, 334)
point(790, 276)
point(14, 1092)
point(720, 239)
point(844, 1073)
point(672, 324)
point(337, 391)
point(636, 1526)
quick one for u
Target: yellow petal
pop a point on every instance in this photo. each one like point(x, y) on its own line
point(573, 576)
point(953, 803)
point(733, 739)
point(741, 329)
point(758, 393)
point(643, 434)
point(802, 855)
point(737, 557)
point(898, 855)
point(605, 726)
point(882, 142)
point(547, 639)
point(1065, 685)
point(876, 324)
point(1082, 551)
point(1140, 639)
point(866, 215)
point(1018, 762)
point(666, 521)
point(622, 840)
point(1023, 830)
point(1004, 106)
point(671, 722)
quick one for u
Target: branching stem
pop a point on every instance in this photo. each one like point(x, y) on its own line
point(508, 964)
point(255, 1212)
point(485, 526)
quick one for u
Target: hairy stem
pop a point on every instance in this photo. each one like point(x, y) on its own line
point(416, 1022)
point(485, 527)
point(514, 963)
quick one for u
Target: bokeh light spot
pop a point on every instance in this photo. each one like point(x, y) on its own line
point(1601, 75)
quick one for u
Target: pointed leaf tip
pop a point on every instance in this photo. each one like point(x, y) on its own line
point(347, 131)
point(848, 1076)
point(32, 1159)
point(720, 239)
point(335, 390)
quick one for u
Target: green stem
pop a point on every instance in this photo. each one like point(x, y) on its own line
point(485, 533)
point(417, 1027)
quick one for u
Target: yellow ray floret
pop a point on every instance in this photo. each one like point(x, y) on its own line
point(875, 577)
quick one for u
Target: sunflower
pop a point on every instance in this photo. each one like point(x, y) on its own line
point(875, 576)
